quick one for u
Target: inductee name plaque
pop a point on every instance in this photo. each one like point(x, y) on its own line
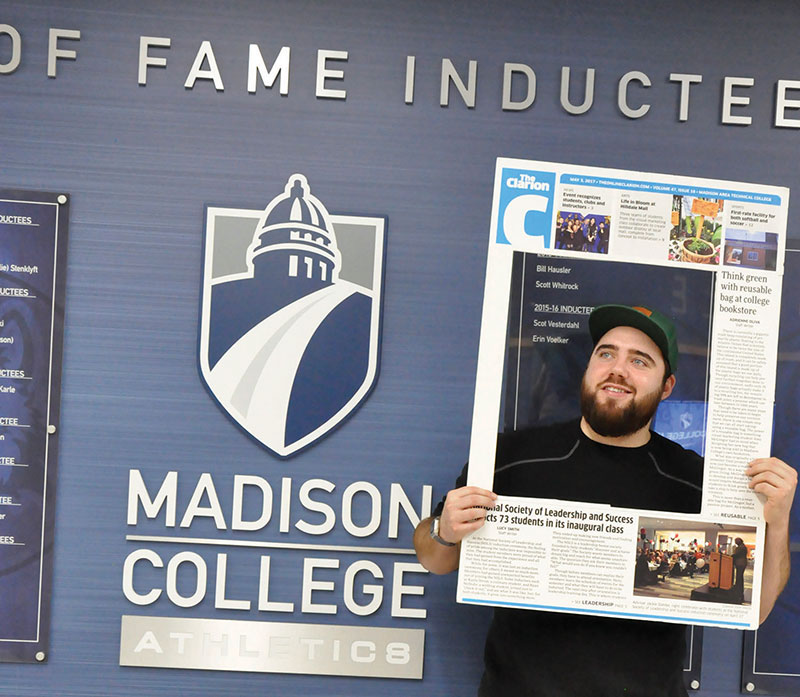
point(33, 237)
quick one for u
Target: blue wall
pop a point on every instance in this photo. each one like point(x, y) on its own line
point(141, 161)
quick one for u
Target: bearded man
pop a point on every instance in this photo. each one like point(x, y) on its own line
point(609, 456)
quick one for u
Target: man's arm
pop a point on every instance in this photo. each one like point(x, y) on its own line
point(777, 482)
point(464, 511)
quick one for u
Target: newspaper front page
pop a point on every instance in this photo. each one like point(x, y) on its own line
point(709, 254)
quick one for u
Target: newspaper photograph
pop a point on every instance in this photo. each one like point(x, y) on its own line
point(669, 531)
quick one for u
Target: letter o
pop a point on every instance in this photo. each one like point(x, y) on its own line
point(16, 49)
point(172, 579)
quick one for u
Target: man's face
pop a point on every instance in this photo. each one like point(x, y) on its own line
point(623, 383)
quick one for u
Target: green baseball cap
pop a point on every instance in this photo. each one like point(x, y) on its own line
point(656, 325)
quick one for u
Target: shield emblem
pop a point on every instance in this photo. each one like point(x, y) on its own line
point(290, 315)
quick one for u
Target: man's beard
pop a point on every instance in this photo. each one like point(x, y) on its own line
point(613, 422)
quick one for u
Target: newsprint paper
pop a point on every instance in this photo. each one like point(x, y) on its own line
point(707, 253)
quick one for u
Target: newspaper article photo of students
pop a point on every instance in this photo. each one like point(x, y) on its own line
point(582, 233)
point(684, 560)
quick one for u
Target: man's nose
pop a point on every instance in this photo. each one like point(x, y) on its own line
point(620, 366)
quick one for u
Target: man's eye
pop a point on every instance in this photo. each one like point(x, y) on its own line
point(604, 354)
point(639, 361)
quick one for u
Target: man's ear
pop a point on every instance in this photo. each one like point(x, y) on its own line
point(669, 384)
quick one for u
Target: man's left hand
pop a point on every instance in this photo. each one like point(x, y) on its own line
point(777, 482)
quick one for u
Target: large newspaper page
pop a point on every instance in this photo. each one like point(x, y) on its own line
point(708, 253)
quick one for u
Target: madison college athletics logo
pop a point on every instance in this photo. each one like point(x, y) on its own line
point(290, 325)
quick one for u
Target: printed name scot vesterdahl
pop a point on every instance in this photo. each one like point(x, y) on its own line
point(290, 315)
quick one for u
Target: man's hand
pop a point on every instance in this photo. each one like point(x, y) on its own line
point(777, 481)
point(464, 511)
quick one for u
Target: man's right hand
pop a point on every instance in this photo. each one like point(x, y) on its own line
point(464, 512)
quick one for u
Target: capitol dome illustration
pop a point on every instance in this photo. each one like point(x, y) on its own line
point(290, 344)
point(296, 233)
